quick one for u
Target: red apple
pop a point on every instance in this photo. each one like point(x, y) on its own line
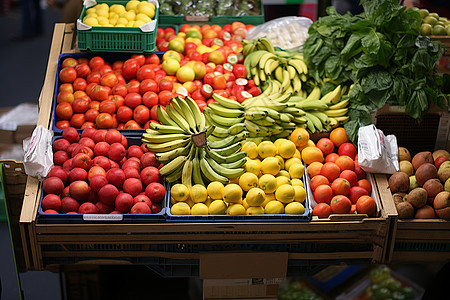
point(107, 194)
point(124, 202)
point(155, 191)
point(97, 182)
point(150, 174)
point(140, 208)
point(79, 190)
point(115, 176)
point(53, 185)
point(133, 186)
point(51, 201)
point(88, 208)
point(116, 152)
point(69, 204)
point(77, 174)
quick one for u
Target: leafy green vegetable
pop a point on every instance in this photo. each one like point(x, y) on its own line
point(382, 54)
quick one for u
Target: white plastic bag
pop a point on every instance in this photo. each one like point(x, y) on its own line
point(377, 153)
point(38, 157)
point(287, 33)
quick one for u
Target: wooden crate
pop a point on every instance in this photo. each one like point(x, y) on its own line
point(416, 240)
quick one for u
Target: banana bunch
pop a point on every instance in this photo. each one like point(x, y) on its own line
point(257, 44)
point(183, 145)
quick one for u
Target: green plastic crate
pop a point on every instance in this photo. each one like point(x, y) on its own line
point(219, 20)
point(117, 39)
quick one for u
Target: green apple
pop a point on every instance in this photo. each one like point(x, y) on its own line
point(170, 66)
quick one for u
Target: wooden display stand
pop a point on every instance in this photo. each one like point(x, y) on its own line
point(307, 244)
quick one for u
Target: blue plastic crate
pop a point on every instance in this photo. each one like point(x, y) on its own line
point(64, 218)
point(306, 216)
point(108, 57)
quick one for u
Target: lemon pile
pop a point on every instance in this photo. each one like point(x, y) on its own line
point(134, 14)
point(432, 23)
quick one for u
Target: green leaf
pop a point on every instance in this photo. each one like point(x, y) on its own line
point(417, 105)
point(376, 80)
point(401, 90)
point(333, 67)
point(371, 42)
point(353, 46)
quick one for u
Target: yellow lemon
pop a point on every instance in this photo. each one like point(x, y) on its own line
point(91, 21)
point(199, 209)
point(282, 180)
point(300, 193)
point(179, 192)
point(91, 10)
point(255, 197)
point(217, 207)
point(103, 13)
point(294, 208)
point(236, 209)
point(173, 201)
point(285, 193)
point(288, 163)
point(281, 159)
point(248, 180)
point(129, 15)
point(268, 183)
point(122, 21)
point(119, 25)
point(297, 154)
point(102, 6)
point(130, 24)
point(208, 201)
point(278, 141)
point(296, 181)
point(297, 170)
point(198, 193)
point(118, 8)
point(249, 147)
point(269, 197)
point(180, 208)
point(143, 17)
point(245, 204)
point(286, 149)
point(252, 166)
point(103, 21)
point(146, 8)
point(132, 4)
point(284, 173)
point(266, 149)
point(215, 189)
point(274, 207)
point(270, 165)
point(232, 193)
point(255, 210)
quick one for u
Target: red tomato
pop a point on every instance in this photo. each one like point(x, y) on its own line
point(101, 93)
point(81, 105)
point(62, 124)
point(164, 97)
point(68, 74)
point(79, 84)
point(133, 99)
point(165, 85)
point(104, 120)
point(119, 89)
point(117, 65)
point(133, 86)
point(152, 59)
point(141, 114)
point(91, 114)
point(83, 70)
point(140, 58)
point(366, 205)
point(107, 106)
point(109, 79)
point(124, 113)
point(148, 85)
point(153, 114)
point(145, 72)
point(83, 60)
point(88, 125)
point(201, 104)
point(90, 88)
point(118, 100)
point(95, 105)
point(96, 63)
point(77, 120)
point(239, 71)
point(105, 70)
point(69, 62)
point(94, 77)
point(150, 99)
point(130, 68)
point(132, 124)
point(64, 111)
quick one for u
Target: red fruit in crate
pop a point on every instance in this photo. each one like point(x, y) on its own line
point(71, 135)
point(87, 142)
point(103, 208)
point(133, 186)
point(115, 176)
point(134, 151)
point(148, 85)
point(88, 208)
point(67, 74)
point(60, 157)
point(116, 152)
point(348, 149)
point(150, 174)
point(322, 210)
point(77, 174)
point(340, 205)
point(142, 198)
point(64, 110)
point(239, 71)
point(124, 114)
point(345, 162)
point(325, 145)
point(131, 172)
point(69, 204)
point(156, 208)
point(130, 68)
point(51, 201)
point(366, 205)
point(350, 176)
point(140, 208)
point(104, 120)
point(113, 136)
point(58, 171)
point(140, 58)
point(124, 202)
point(94, 171)
point(356, 192)
point(330, 170)
point(155, 191)
point(149, 159)
point(323, 193)
point(107, 194)
point(81, 160)
point(60, 145)
point(131, 163)
point(141, 114)
point(97, 182)
point(79, 190)
point(365, 184)
point(340, 186)
point(82, 70)
point(53, 185)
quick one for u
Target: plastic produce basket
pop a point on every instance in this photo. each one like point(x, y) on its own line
point(306, 216)
point(116, 39)
point(108, 57)
point(64, 218)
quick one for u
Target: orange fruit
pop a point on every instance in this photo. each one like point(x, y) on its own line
point(330, 170)
point(323, 194)
point(317, 181)
point(338, 136)
point(331, 157)
point(345, 162)
point(365, 184)
point(300, 137)
point(314, 169)
point(326, 145)
point(312, 154)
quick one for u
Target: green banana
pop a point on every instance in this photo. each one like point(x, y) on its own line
point(189, 115)
point(163, 147)
point(229, 173)
point(341, 104)
point(227, 141)
point(172, 165)
point(162, 138)
point(321, 116)
point(227, 102)
point(164, 118)
point(169, 155)
point(236, 128)
point(224, 159)
point(332, 97)
point(267, 121)
point(186, 174)
point(177, 118)
point(314, 94)
point(223, 121)
point(196, 173)
point(209, 173)
point(224, 111)
point(312, 104)
point(336, 112)
point(315, 120)
point(236, 164)
point(220, 132)
point(229, 150)
point(198, 116)
point(255, 115)
point(164, 128)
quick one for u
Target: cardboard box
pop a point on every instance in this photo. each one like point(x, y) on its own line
point(240, 275)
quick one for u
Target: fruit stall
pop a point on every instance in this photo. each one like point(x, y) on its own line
point(202, 151)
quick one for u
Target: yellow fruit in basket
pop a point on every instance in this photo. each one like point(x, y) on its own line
point(173, 201)
point(255, 197)
point(117, 8)
point(299, 137)
point(217, 207)
point(121, 21)
point(268, 183)
point(208, 201)
point(252, 166)
point(284, 173)
point(278, 141)
point(113, 21)
point(247, 181)
point(232, 193)
point(103, 21)
point(236, 209)
point(143, 17)
point(119, 25)
point(130, 24)
point(215, 189)
point(102, 6)
point(269, 197)
point(297, 170)
point(91, 21)
point(270, 165)
point(138, 23)
point(255, 210)
point(294, 208)
point(245, 204)
point(250, 148)
point(286, 149)
point(91, 10)
point(198, 193)
point(179, 192)
point(267, 149)
point(132, 4)
point(146, 8)
point(281, 161)
point(274, 207)
point(180, 208)
point(300, 193)
point(312, 154)
point(282, 180)
point(103, 13)
point(129, 15)
point(199, 209)
point(296, 181)
point(291, 161)
point(297, 154)
point(285, 193)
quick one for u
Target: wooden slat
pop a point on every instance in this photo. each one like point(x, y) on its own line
point(67, 45)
